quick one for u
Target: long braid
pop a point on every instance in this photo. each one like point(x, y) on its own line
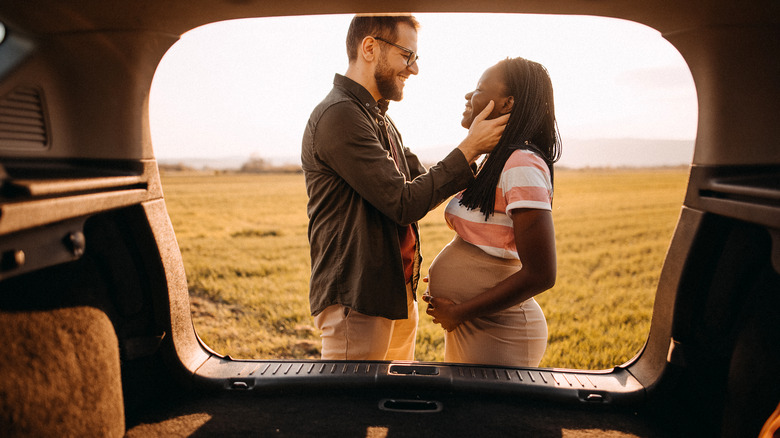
point(531, 126)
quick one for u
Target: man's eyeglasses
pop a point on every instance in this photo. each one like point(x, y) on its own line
point(411, 57)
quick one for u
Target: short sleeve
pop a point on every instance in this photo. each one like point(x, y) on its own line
point(525, 182)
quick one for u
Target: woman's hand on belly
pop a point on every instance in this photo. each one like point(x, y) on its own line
point(444, 311)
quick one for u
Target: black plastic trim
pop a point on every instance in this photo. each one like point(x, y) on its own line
point(748, 193)
point(616, 386)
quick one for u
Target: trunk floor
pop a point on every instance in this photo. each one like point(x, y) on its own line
point(342, 414)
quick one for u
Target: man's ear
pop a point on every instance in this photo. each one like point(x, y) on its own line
point(509, 103)
point(368, 48)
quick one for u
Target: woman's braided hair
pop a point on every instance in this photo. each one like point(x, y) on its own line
point(531, 126)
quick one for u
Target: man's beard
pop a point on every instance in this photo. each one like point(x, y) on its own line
point(386, 82)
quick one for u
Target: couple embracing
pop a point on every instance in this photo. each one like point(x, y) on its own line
point(367, 191)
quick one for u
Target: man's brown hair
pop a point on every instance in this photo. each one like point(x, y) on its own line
point(382, 26)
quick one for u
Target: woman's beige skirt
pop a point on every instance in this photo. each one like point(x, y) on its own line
point(516, 336)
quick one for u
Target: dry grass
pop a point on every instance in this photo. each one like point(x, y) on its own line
point(243, 239)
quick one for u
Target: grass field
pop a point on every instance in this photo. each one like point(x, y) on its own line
point(243, 240)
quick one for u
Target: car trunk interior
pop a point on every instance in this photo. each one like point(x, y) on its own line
point(94, 307)
point(96, 332)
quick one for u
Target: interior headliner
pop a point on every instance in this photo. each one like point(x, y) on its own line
point(178, 16)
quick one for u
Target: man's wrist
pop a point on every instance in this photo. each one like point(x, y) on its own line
point(471, 164)
point(468, 152)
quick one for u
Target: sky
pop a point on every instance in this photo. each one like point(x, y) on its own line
point(247, 87)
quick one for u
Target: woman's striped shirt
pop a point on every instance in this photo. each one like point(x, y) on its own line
point(525, 183)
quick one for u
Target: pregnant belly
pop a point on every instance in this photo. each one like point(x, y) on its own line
point(461, 271)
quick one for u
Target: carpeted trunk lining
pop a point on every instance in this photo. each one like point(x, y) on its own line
point(359, 415)
point(60, 374)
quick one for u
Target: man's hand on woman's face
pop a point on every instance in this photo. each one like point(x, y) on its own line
point(483, 134)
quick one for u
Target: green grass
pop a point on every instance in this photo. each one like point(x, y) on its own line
point(243, 241)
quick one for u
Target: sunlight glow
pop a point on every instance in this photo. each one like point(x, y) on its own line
point(244, 87)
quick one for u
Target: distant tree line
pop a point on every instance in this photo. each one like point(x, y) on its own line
point(257, 164)
point(176, 167)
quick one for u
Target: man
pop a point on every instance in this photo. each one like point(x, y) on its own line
point(366, 192)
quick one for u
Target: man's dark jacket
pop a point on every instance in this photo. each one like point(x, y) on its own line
point(358, 197)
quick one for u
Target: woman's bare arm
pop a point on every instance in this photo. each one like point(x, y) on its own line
point(535, 240)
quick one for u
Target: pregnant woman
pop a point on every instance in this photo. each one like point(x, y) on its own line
point(482, 284)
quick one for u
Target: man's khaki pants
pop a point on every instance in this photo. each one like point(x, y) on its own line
point(350, 335)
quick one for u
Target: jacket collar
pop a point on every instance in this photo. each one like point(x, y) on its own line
point(360, 93)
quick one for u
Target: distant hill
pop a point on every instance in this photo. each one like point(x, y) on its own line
point(225, 163)
point(628, 152)
point(220, 163)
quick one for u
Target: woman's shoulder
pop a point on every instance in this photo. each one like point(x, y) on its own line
point(525, 158)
